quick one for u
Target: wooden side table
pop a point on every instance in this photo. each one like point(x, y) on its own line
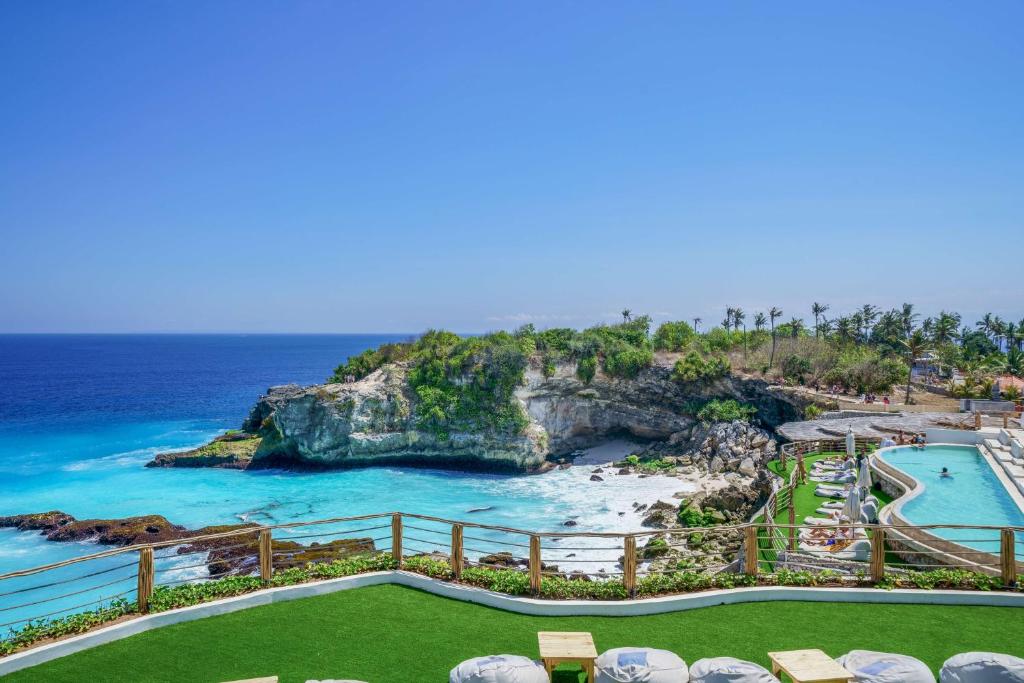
point(567, 647)
point(808, 666)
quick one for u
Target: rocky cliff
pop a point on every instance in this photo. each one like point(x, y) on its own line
point(371, 421)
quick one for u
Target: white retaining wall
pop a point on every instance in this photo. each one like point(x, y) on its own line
point(613, 608)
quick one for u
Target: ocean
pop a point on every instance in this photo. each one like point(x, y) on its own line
point(80, 415)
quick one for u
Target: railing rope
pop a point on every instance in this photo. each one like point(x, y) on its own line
point(144, 588)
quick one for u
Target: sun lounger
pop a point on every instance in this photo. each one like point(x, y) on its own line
point(858, 550)
point(829, 492)
point(821, 521)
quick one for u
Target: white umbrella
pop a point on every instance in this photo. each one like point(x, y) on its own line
point(864, 476)
point(851, 444)
point(851, 510)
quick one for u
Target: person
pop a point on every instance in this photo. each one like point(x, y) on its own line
point(945, 473)
point(886, 442)
point(919, 441)
point(885, 402)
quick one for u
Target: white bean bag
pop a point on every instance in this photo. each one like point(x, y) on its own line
point(640, 665)
point(982, 667)
point(729, 670)
point(499, 669)
point(882, 667)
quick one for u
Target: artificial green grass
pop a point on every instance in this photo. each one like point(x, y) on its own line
point(392, 634)
point(805, 503)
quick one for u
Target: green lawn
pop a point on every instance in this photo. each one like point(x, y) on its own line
point(388, 634)
point(805, 503)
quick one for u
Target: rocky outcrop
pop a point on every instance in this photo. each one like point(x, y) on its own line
point(371, 422)
point(230, 555)
point(234, 450)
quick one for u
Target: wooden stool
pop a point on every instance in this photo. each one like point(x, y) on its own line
point(808, 666)
point(567, 648)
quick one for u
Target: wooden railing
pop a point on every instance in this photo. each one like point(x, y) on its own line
point(598, 556)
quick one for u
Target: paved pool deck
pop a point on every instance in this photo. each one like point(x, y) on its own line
point(878, 425)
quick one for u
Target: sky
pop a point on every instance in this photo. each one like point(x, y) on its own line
point(314, 166)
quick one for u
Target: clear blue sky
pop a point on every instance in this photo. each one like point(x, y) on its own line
point(365, 166)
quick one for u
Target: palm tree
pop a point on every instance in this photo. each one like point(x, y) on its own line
point(915, 346)
point(759, 321)
point(796, 325)
point(696, 324)
point(826, 326)
point(818, 310)
point(1012, 334)
point(868, 316)
point(908, 318)
point(727, 321)
point(739, 318)
point(627, 315)
point(774, 313)
point(846, 328)
point(986, 324)
point(946, 327)
point(998, 331)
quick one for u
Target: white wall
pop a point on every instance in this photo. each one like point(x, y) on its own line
point(959, 436)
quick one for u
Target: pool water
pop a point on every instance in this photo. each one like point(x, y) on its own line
point(972, 495)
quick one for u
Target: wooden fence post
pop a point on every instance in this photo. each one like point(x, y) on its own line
point(629, 565)
point(977, 421)
point(792, 522)
point(877, 554)
point(1007, 558)
point(396, 538)
point(535, 564)
point(266, 556)
point(750, 546)
point(144, 589)
point(456, 555)
point(782, 457)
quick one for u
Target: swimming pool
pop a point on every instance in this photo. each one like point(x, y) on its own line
point(972, 495)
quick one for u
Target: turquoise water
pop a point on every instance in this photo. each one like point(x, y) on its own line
point(973, 495)
point(80, 415)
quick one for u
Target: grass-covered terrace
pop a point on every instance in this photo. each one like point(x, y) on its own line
point(392, 634)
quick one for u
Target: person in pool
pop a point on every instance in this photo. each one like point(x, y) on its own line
point(919, 441)
point(945, 473)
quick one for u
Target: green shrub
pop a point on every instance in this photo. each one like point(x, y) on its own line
point(795, 368)
point(673, 336)
point(694, 368)
point(586, 368)
point(627, 361)
point(728, 410)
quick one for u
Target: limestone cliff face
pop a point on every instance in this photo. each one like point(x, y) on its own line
point(371, 421)
point(651, 406)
